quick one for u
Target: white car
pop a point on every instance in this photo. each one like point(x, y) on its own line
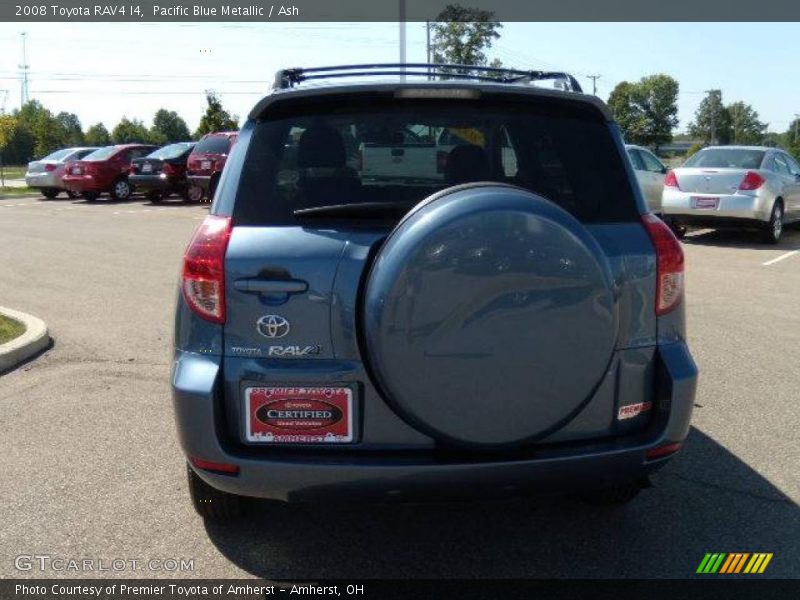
point(735, 186)
point(650, 173)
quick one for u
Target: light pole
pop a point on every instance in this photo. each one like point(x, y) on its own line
point(402, 10)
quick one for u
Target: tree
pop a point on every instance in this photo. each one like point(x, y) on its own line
point(215, 118)
point(461, 36)
point(168, 127)
point(8, 126)
point(792, 137)
point(97, 135)
point(71, 130)
point(44, 129)
point(712, 121)
point(647, 110)
point(128, 131)
point(745, 126)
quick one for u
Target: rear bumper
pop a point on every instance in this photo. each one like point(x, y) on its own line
point(201, 181)
point(84, 183)
point(743, 206)
point(310, 476)
point(154, 182)
point(43, 180)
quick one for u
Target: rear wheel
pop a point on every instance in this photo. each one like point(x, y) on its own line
point(155, 196)
point(194, 193)
point(50, 193)
point(211, 503)
point(90, 196)
point(774, 228)
point(121, 189)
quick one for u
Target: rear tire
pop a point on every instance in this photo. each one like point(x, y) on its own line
point(194, 193)
point(50, 193)
point(210, 503)
point(155, 196)
point(774, 228)
point(90, 196)
point(121, 189)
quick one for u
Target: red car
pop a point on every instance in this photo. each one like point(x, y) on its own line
point(104, 170)
point(206, 161)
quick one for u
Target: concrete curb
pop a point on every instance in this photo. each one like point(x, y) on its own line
point(35, 339)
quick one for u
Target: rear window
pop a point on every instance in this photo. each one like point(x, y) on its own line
point(171, 151)
point(58, 154)
point(214, 144)
point(345, 153)
point(726, 158)
point(101, 153)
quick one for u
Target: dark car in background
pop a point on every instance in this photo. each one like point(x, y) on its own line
point(105, 170)
point(206, 162)
point(46, 173)
point(162, 172)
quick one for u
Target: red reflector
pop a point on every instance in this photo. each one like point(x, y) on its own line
point(751, 181)
point(208, 465)
point(203, 281)
point(669, 264)
point(671, 180)
point(662, 451)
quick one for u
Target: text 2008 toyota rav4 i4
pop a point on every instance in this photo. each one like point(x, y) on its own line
point(507, 317)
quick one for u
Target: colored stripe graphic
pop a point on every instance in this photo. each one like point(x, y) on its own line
point(734, 562)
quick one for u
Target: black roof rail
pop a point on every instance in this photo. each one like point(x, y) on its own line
point(287, 78)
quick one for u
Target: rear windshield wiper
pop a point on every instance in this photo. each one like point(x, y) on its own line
point(361, 210)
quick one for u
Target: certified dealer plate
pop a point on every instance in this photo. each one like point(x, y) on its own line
point(299, 415)
point(205, 165)
point(707, 202)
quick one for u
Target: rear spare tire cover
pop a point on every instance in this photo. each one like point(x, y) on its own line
point(489, 316)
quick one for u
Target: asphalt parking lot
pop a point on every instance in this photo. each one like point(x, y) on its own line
point(90, 466)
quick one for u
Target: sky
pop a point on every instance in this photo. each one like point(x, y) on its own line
point(103, 72)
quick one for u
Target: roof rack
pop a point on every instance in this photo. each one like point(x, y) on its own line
point(287, 78)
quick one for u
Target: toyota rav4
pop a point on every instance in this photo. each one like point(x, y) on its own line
point(511, 320)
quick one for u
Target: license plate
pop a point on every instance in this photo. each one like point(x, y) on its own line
point(205, 165)
point(147, 168)
point(299, 415)
point(706, 202)
point(77, 171)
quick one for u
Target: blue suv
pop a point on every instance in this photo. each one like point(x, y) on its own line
point(444, 283)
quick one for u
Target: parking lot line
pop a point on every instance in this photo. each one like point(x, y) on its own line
point(780, 258)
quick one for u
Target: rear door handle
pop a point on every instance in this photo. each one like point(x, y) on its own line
point(257, 285)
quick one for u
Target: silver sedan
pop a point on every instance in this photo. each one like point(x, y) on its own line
point(735, 186)
point(45, 174)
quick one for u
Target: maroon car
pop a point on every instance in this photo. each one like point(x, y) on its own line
point(104, 170)
point(206, 162)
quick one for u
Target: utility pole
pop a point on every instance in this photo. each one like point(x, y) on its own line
point(712, 93)
point(796, 132)
point(403, 37)
point(594, 79)
point(23, 96)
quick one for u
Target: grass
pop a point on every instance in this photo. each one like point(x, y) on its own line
point(10, 329)
point(14, 171)
point(16, 191)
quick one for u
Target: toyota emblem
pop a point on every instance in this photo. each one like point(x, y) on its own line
point(272, 326)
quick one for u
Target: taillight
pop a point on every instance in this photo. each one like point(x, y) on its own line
point(167, 169)
point(669, 264)
point(671, 180)
point(132, 169)
point(662, 451)
point(751, 181)
point(50, 167)
point(203, 280)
